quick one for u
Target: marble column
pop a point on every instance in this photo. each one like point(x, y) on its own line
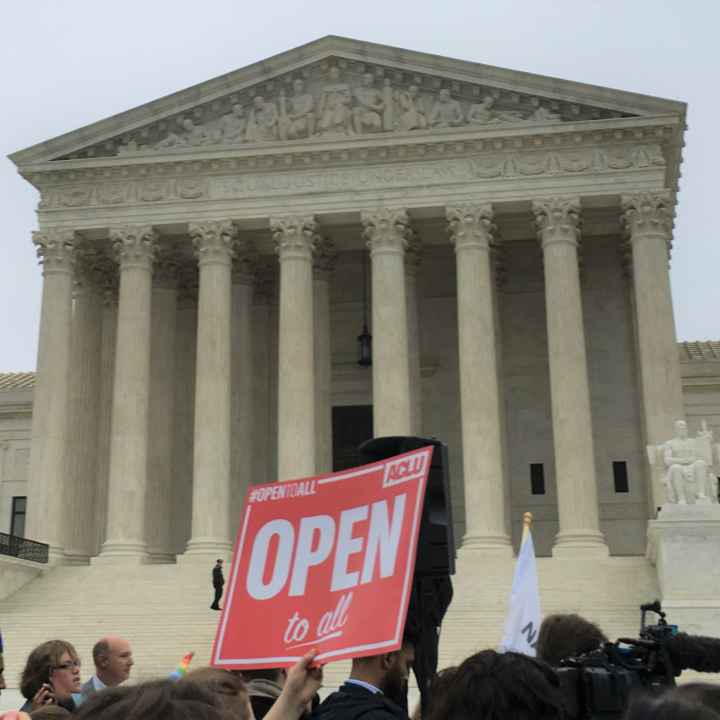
point(295, 240)
point(386, 231)
point(186, 345)
point(413, 258)
point(648, 220)
point(213, 242)
point(104, 427)
point(471, 232)
point(84, 406)
point(161, 455)
point(558, 222)
point(125, 539)
point(47, 478)
point(323, 268)
point(243, 379)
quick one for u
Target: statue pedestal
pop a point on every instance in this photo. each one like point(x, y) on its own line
point(684, 545)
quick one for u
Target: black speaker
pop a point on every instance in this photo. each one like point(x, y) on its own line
point(436, 543)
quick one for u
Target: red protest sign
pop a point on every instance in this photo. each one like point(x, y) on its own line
point(325, 561)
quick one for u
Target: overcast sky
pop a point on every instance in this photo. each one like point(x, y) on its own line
point(67, 63)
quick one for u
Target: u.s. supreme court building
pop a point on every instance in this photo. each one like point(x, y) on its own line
point(214, 262)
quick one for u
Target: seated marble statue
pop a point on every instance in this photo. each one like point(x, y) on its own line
point(412, 115)
point(262, 122)
point(334, 106)
point(192, 135)
point(542, 114)
point(232, 126)
point(688, 461)
point(297, 114)
point(447, 112)
point(369, 106)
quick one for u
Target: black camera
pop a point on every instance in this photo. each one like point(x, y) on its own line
point(599, 684)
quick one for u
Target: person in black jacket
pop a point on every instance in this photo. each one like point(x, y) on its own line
point(374, 690)
point(218, 584)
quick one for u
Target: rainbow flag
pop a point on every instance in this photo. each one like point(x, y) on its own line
point(182, 668)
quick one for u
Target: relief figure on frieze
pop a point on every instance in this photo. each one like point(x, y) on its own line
point(297, 113)
point(369, 106)
point(334, 106)
point(412, 114)
point(446, 112)
point(484, 113)
point(191, 135)
point(233, 126)
point(262, 122)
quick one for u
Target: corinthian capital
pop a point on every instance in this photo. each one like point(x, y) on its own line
point(386, 229)
point(55, 249)
point(134, 245)
point(648, 213)
point(558, 220)
point(294, 235)
point(471, 226)
point(213, 241)
point(91, 268)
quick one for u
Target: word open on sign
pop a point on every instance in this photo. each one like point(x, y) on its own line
point(314, 563)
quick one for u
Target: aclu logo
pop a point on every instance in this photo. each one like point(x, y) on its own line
point(409, 467)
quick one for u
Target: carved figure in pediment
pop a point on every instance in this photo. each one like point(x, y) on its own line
point(412, 114)
point(191, 135)
point(334, 106)
point(542, 114)
point(369, 106)
point(484, 113)
point(262, 122)
point(446, 112)
point(233, 126)
point(297, 114)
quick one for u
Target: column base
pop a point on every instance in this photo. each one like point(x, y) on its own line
point(204, 548)
point(122, 551)
point(56, 555)
point(579, 543)
point(161, 558)
point(496, 545)
point(73, 558)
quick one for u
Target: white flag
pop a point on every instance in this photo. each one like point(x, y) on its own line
point(523, 620)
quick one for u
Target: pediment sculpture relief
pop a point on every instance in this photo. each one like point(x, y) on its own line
point(340, 107)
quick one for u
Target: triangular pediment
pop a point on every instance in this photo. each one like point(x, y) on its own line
point(340, 88)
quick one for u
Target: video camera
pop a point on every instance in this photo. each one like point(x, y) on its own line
point(598, 685)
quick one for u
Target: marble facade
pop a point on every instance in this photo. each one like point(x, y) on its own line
point(202, 260)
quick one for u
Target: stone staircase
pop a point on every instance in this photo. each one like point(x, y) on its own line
point(163, 609)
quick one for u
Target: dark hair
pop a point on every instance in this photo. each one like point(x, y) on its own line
point(670, 706)
point(100, 651)
point(703, 693)
point(158, 700)
point(567, 635)
point(263, 674)
point(439, 686)
point(499, 686)
point(48, 712)
point(228, 687)
point(40, 663)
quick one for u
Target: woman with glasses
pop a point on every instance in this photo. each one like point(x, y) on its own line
point(51, 676)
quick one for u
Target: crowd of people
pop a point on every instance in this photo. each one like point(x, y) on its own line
point(488, 685)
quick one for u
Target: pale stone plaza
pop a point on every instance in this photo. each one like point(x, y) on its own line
point(210, 259)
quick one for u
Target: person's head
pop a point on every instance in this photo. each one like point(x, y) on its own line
point(188, 124)
point(54, 662)
point(388, 672)
point(50, 712)
point(499, 686)
point(367, 79)
point(413, 91)
point(237, 110)
point(158, 700)
point(439, 686)
point(681, 429)
point(334, 72)
point(228, 687)
point(444, 95)
point(113, 660)
point(218, 562)
point(488, 101)
point(298, 85)
point(276, 675)
point(567, 635)
point(259, 102)
point(669, 706)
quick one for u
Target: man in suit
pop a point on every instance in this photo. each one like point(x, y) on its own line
point(218, 584)
point(113, 661)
